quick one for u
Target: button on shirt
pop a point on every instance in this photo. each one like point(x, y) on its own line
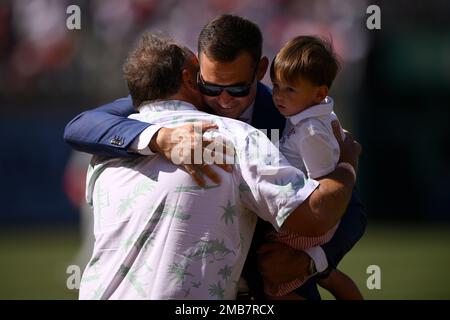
point(160, 236)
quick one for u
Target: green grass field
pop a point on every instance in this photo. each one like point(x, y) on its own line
point(414, 262)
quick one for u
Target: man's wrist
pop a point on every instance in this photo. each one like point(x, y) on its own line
point(319, 261)
point(324, 274)
point(312, 270)
point(141, 144)
point(153, 145)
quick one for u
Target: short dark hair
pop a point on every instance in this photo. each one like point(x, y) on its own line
point(308, 57)
point(153, 70)
point(227, 36)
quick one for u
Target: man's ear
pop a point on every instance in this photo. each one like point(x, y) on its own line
point(188, 79)
point(322, 93)
point(262, 68)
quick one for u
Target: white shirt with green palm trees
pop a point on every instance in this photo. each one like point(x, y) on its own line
point(160, 236)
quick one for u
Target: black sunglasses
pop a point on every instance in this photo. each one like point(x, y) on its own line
point(214, 90)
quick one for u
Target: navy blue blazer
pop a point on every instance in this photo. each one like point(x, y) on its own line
point(106, 131)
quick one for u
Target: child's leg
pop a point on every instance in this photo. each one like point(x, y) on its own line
point(340, 286)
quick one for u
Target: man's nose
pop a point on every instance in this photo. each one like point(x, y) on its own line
point(225, 98)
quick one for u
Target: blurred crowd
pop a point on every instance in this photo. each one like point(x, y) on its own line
point(41, 58)
point(49, 73)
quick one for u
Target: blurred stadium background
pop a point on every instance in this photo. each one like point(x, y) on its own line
point(393, 93)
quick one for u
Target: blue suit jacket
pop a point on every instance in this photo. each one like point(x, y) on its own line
point(106, 131)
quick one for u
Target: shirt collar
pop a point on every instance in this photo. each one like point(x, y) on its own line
point(247, 115)
point(174, 105)
point(177, 105)
point(322, 109)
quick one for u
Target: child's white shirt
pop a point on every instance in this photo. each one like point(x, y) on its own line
point(309, 144)
point(308, 141)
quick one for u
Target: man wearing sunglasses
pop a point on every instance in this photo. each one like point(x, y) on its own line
point(215, 90)
point(231, 66)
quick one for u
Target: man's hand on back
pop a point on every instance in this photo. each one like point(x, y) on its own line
point(185, 146)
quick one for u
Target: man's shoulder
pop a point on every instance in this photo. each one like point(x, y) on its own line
point(234, 129)
point(263, 95)
point(265, 114)
point(264, 88)
point(172, 118)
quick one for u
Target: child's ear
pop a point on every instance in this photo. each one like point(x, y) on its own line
point(322, 93)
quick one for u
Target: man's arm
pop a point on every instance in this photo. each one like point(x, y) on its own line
point(279, 263)
point(350, 230)
point(352, 224)
point(324, 207)
point(105, 130)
